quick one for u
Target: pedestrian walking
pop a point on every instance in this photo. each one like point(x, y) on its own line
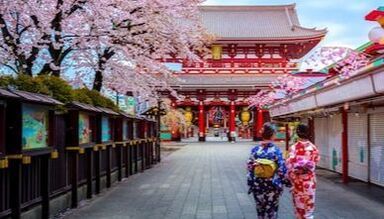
point(301, 163)
point(266, 174)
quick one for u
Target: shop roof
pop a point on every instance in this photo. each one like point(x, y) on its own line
point(28, 97)
point(127, 115)
point(84, 106)
point(107, 111)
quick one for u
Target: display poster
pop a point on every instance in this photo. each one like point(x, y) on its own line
point(128, 105)
point(105, 130)
point(84, 129)
point(34, 127)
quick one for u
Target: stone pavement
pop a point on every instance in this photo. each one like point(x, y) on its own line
point(208, 181)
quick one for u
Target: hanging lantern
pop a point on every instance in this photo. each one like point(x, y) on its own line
point(216, 52)
point(376, 35)
point(188, 116)
point(245, 116)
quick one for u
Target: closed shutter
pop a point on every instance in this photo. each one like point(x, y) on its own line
point(321, 141)
point(335, 130)
point(376, 139)
point(358, 146)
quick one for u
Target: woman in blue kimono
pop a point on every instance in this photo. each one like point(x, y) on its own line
point(267, 189)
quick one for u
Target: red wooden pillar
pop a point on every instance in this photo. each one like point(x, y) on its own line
point(345, 146)
point(259, 124)
point(255, 130)
point(266, 116)
point(201, 122)
point(232, 122)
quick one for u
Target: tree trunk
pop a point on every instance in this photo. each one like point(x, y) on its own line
point(98, 81)
point(56, 72)
point(46, 70)
point(103, 57)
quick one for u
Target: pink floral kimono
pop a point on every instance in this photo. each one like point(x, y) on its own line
point(301, 163)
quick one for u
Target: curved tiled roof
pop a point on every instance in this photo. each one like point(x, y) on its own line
point(256, 23)
point(28, 97)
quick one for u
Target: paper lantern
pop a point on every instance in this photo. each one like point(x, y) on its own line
point(245, 116)
point(216, 52)
point(376, 35)
point(188, 116)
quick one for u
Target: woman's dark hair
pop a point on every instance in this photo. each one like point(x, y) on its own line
point(302, 131)
point(268, 131)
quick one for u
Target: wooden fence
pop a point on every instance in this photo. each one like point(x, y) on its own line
point(32, 179)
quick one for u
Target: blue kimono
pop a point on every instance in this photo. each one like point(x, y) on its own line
point(267, 191)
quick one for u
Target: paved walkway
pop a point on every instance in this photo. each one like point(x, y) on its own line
point(208, 181)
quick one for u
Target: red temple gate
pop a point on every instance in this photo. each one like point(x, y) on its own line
point(254, 46)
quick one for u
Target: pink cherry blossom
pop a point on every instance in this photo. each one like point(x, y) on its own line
point(122, 42)
point(346, 62)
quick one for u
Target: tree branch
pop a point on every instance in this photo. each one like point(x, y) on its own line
point(10, 67)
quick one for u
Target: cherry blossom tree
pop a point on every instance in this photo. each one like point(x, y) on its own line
point(345, 61)
point(129, 57)
point(174, 118)
point(351, 64)
point(282, 87)
point(262, 99)
point(287, 84)
point(123, 42)
point(38, 33)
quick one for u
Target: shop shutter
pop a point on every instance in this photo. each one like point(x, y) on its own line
point(376, 139)
point(321, 141)
point(335, 130)
point(358, 146)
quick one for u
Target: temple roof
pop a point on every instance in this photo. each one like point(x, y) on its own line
point(261, 23)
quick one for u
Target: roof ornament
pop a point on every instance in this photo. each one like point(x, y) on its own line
point(376, 35)
point(289, 19)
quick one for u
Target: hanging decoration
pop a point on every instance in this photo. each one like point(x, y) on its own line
point(216, 52)
point(376, 35)
point(188, 115)
point(217, 115)
point(245, 116)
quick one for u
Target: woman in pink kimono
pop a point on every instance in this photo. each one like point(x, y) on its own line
point(301, 163)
